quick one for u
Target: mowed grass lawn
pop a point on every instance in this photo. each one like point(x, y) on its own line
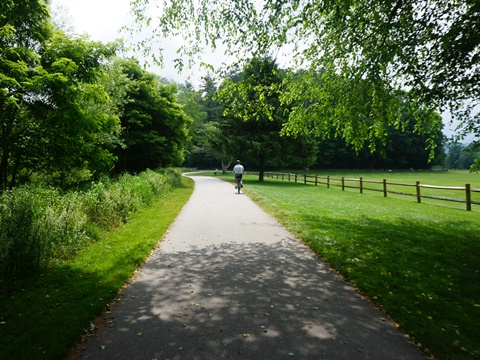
point(419, 262)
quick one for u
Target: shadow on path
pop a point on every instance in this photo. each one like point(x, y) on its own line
point(259, 298)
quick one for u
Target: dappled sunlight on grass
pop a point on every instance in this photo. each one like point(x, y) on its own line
point(417, 261)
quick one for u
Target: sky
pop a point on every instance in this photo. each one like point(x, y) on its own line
point(102, 20)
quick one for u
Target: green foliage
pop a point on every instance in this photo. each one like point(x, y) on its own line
point(364, 51)
point(154, 125)
point(461, 157)
point(208, 143)
point(56, 118)
point(29, 19)
point(39, 227)
point(476, 165)
point(403, 149)
point(254, 117)
point(192, 105)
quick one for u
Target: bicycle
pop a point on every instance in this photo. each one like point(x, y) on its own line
point(238, 181)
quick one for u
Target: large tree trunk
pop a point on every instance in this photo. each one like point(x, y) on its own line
point(4, 161)
point(225, 165)
point(261, 171)
point(4, 172)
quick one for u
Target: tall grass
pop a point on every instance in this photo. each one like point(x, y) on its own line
point(40, 226)
point(48, 314)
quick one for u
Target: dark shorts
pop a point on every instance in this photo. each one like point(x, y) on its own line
point(238, 176)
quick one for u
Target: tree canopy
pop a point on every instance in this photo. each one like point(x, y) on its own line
point(430, 50)
point(62, 97)
point(254, 116)
point(54, 115)
point(154, 125)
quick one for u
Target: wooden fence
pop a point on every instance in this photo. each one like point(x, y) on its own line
point(382, 186)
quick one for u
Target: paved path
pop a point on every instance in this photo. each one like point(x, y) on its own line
point(229, 282)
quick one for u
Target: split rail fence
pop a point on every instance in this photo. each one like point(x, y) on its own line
point(382, 186)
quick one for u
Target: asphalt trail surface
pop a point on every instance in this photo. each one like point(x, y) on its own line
point(229, 282)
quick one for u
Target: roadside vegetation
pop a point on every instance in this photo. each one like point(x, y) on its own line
point(64, 258)
point(418, 262)
point(74, 111)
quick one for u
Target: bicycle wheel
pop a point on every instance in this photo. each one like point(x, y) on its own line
point(239, 185)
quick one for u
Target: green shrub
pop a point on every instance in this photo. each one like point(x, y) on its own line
point(40, 226)
point(36, 226)
point(66, 226)
point(21, 245)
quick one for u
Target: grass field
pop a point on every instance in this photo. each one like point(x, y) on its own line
point(447, 179)
point(419, 262)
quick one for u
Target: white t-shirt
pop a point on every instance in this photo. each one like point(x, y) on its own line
point(238, 169)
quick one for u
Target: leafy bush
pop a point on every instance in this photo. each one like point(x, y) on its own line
point(34, 224)
point(40, 226)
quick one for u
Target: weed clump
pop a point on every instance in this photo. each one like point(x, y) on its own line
point(41, 226)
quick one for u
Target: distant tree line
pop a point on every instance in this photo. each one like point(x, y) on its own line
point(244, 118)
point(461, 156)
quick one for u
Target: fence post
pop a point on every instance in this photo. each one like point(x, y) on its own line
point(328, 181)
point(419, 196)
point(361, 185)
point(468, 194)
point(343, 183)
point(289, 176)
point(316, 180)
point(384, 187)
point(283, 176)
point(295, 177)
point(305, 179)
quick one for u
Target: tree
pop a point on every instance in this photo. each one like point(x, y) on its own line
point(254, 118)
point(428, 49)
point(55, 117)
point(80, 126)
point(208, 91)
point(461, 157)
point(154, 124)
point(208, 144)
point(214, 143)
point(192, 105)
point(403, 150)
point(23, 28)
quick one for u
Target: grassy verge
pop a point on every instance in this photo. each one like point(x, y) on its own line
point(442, 179)
point(40, 227)
point(419, 262)
point(49, 313)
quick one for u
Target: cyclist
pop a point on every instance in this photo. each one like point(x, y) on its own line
point(238, 171)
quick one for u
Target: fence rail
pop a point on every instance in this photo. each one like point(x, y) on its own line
point(362, 185)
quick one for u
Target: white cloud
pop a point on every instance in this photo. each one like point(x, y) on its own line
point(102, 21)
